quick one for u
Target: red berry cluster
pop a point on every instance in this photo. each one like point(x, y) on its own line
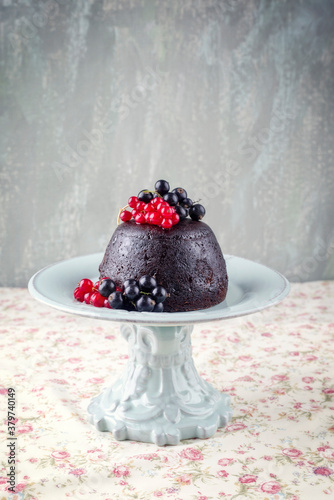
point(157, 212)
point(88, 292)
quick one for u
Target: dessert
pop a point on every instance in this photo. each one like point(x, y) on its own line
point(158, 259)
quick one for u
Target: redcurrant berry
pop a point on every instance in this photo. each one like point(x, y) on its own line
point(79, 294)
point(97, 300)
point(140, 218)
point(148, 207)
point(140, 206)
point(133, 200)
point(166, 223)
point(85, 285)
point(125, 216)
point(175, 219)
point(155, 218)
point(166, 211)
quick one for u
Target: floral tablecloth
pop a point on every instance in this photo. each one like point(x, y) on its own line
point(277, 365)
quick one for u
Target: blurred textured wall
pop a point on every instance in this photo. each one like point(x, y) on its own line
point(232, 100)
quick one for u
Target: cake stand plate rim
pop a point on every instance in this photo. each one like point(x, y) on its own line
point(252, 288)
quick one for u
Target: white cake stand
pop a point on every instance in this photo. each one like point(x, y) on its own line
point(160, 398)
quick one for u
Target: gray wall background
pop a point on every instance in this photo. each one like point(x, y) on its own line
point(232, 100)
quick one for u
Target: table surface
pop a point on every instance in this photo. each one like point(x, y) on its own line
point(276, 364)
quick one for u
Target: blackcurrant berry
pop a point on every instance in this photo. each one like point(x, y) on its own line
point(158, 308)
point(128, 282)
point(186, 203)
point(180, 193)
point(171, 198)
point(147, 283)
point(159, 294)
point(145, 195)
point(162, 187)
point(128, 305)
point(116, 300)
point(106, 287)
point(182, 212)
point(145, 304)
point(132, 292)
point(197, 212)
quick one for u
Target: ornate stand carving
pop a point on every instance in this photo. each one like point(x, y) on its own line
point(160, 398)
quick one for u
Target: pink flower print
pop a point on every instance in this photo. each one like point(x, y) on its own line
point(158, 493)
point(60, 381)
point(329, 390)
point(308, 380)
point(225, 461)
point(20, 487)
point(271, 487)
point(291, 452)
point(60, 455)
point(237, 426)
point(95, 380)
point(121, 471)
point(149, 456)
point(77, 472)
point(191, 454)
point(185, 479)
point(323, 471)
point(310, 357)
point(3, 480)
point(3, 390)
point(308, 388)
point(245, 358)
point(222, 473)
point(22, 429)
point(247, 479)
point(267, 457)
point(33, 460)
point(279, 378)
point(323, 448)
point(233, 338)
point(328, 454)
point(202, 498)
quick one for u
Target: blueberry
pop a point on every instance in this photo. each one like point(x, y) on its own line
point(128, 282)
point(145, 304)
point(162, 187)
point(186, 203)
point(159, 294)
point(197, 212)
point(106, 287)
point(147, 283)
point(116, 300)
point(171, 198)
point(180, 193)
point(158, 308)
point(132, 291)
point(182, 212)
point(145, 195)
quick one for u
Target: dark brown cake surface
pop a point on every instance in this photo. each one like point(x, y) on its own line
point(186, 260)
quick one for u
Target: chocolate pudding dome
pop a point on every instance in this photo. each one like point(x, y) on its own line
point(162, 244)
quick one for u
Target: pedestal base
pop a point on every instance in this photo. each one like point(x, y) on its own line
point(160, 398)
